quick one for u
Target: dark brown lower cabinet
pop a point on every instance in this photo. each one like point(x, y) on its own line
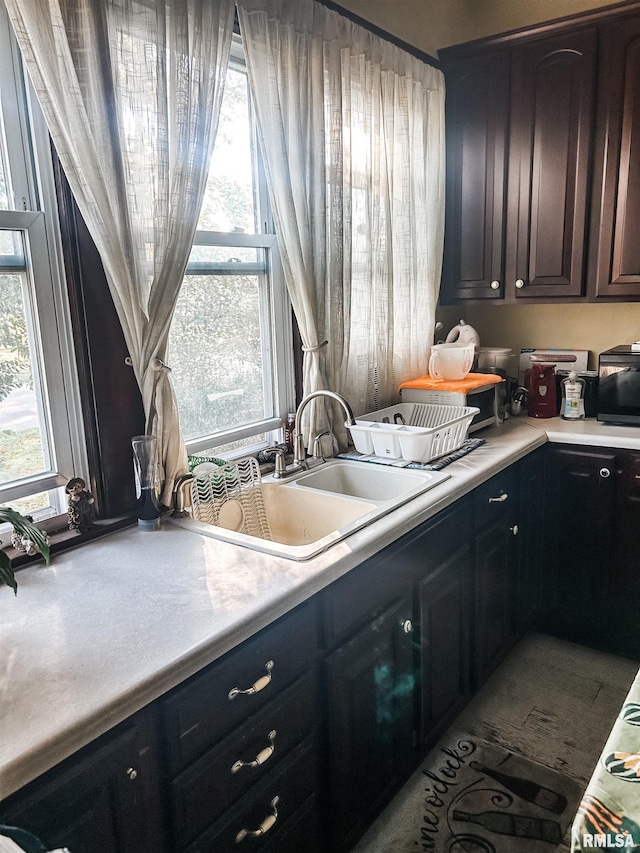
point(581, 486)
point(443, 600)
point(370, 721)
point(496, 557)
point(104, 799)
point(593, 546)
point(534, 583)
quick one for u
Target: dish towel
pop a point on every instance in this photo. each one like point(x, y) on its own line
point(471, 382)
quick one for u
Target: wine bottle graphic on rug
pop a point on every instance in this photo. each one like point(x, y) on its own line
point(527, 790)
point(519, 826)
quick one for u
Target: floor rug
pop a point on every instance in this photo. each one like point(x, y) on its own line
point(471, 796)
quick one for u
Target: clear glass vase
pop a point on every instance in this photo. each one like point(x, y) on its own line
point(145, 465)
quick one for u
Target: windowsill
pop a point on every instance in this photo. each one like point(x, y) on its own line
point(64, 539)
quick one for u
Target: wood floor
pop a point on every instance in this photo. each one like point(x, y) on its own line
point(551, 701)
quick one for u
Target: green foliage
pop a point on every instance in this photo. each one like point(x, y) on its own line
point(23, 527)
point(20, 453)
point(15, 360)
point(215, 352)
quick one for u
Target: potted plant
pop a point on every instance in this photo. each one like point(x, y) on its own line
point(32, 540)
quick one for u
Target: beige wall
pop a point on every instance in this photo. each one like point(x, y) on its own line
point(432, 24)
point(593, 327)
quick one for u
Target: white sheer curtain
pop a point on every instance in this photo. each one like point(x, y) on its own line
point(352, 129)
point(131, 92)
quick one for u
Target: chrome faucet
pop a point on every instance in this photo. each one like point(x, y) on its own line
point(298, 446)
point(178, 495)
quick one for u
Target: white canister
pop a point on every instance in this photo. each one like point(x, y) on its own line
point(450, 361)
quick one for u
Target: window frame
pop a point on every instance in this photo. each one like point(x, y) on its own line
point(31, 179)
point(275, 306)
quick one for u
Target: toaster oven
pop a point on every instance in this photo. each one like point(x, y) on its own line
point(486, 398)
point(619, 385)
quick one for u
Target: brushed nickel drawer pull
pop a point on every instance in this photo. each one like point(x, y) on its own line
point(503, 497)
point(264, 755)
point(260, 684)
point(264, 827)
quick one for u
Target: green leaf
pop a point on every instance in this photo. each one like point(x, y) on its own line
point(6, 572)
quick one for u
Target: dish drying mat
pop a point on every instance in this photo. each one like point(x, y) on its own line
point(231, 497)
point(435, 465)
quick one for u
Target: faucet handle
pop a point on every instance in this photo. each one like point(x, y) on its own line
point(317, 444)
point(281, 465)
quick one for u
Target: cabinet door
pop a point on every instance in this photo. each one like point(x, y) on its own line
point(615, 256)
point(494, 576)
point(534, 586)
point(101, 801)
point(580, 515)
point(623, 599)
point(551, 116)
point(370, 699)
point(496, 555)
point(444, 642)
point(477, 121)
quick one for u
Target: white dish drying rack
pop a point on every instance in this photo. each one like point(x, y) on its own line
point(231, 497)
point(416, 432)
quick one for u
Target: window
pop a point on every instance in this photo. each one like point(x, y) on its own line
point(41, 440)
point(230, 347)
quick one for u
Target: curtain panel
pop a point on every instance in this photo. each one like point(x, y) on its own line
point(131, 93)
point(352, 131)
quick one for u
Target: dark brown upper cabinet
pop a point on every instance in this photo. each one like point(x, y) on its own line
point(615, 221)
point(552, 100)
point(477, 125)
point(519, 122)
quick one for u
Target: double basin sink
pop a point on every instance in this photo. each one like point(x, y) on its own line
point(313, 510)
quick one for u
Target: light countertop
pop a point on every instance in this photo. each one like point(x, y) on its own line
point(588, 431)
point(116, 623)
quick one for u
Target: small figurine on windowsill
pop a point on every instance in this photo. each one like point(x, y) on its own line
point(80, 510)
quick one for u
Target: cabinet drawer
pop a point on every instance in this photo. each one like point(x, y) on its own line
point(286, 791)
point(496, 500)
point(210, 786)
point(199, 714)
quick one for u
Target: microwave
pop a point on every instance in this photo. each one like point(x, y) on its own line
point(488, 398)
point(619, 385)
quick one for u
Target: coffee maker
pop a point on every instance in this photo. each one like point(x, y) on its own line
point(542, 401)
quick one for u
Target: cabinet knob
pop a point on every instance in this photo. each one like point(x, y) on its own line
point(407, 626)
point(495, 285)
point(605, 472)
point(500, 499)
point(264, 755)
point(132, 773)
point(515, 529)
point(519, 283)
point(260, 684)
point(264, 827)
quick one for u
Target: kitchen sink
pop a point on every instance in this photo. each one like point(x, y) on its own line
point(316, 509)
point(363, 480)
